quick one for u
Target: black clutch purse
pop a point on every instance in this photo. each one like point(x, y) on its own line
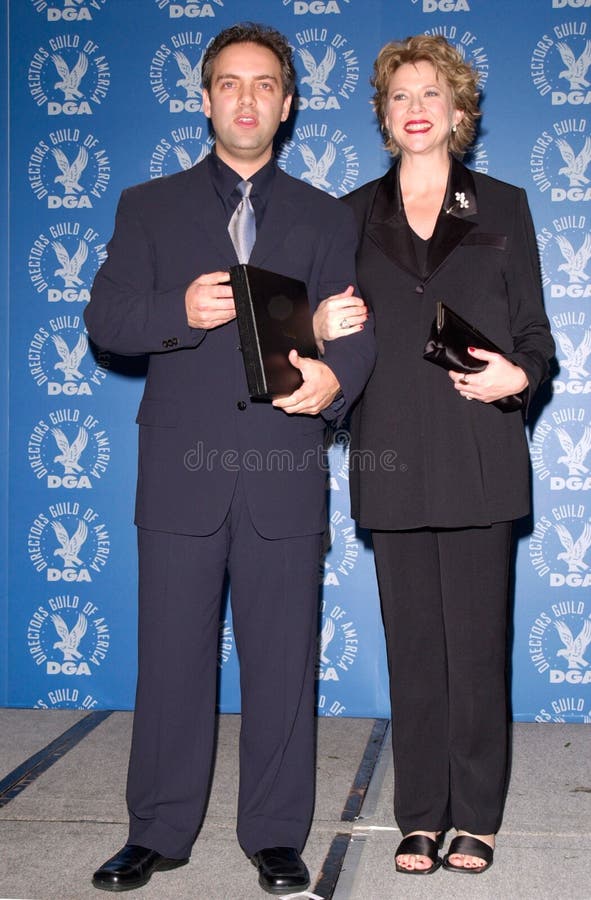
point(447, 346)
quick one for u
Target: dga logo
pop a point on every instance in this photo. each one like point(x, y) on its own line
point(60, 359)
point(79, 543)
point(443, 6)
point(338, 644)
point(330, 69)
point(63, 262)
point(468, 45)
point(560, 450)
point(566, 709)
point(186, 147)
point(175, 72)
point(66, 698)
point(68, 10)
point(559, 643)
point(225, 643)
point(69, 76)
point(341, 551)
point(190, 9)
point(323, 156)
point(574, 4)
point(67, 637)
point(559, 546)
point(560, 159)
point(316, 7)
point(565, 251)
point(560, 63)
point(69, 450)
point(78, 169)
point(574, 344)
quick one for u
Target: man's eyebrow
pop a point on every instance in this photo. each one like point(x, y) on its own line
point(223, 75)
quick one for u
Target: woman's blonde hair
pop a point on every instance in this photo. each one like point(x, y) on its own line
point(461, 78)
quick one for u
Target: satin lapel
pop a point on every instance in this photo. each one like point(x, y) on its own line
point(453, 223)
point(387, 226)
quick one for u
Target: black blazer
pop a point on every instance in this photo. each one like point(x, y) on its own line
point(198, 426)
point(421, 454)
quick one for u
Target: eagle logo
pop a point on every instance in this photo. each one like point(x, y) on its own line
point(70, 453)
point(317, 73)
point(69, 639)
point(576, 166)
point(574, 454)
point(574, 551)
point(318, 168)
point(191, 80)
point(574, 263)
point(575, 358)
point(70, 265)
point(574, 647)
point(70, 80)
point(70, 177)
point(184, 157)
point(576, 69)
point(70, 359)
point(326, 636)
point(70, 546)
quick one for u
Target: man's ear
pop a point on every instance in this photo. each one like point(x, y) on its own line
point(206, 106)
point(286, 107)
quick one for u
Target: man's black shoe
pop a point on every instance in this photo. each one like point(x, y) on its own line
point(131, 868)
point(281, 870)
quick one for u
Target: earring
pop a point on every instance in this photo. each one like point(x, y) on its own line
point(454, 128)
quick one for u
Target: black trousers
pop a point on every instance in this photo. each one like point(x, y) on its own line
point(274, 596)
point(444, 605)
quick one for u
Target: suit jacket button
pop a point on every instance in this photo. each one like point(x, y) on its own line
point(419, 289)
point(241, 405)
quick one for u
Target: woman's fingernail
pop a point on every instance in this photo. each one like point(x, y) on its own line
point(471, 349)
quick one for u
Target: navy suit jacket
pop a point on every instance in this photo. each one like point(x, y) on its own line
point(198, 426)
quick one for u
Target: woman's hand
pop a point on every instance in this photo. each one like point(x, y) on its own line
point(338, 316)
point(500, 378)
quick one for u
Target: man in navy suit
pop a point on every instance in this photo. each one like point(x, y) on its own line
point(226, 484)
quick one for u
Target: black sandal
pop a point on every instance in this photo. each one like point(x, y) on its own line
point(420, 845)
point(469, 846)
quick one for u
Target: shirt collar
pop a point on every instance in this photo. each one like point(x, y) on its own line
point(225, 179)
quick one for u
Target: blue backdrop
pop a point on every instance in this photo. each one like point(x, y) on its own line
point(106, 93)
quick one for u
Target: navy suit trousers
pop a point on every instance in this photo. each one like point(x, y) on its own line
point(274, 597)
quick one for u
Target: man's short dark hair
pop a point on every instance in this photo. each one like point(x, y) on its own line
point(252, 33)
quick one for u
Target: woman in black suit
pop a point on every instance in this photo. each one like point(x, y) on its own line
point(437, 472)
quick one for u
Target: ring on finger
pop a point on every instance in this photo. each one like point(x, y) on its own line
point(463, 380)
point(344, 323)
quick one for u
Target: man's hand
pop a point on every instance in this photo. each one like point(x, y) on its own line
point(209, 301)
point(319, 389)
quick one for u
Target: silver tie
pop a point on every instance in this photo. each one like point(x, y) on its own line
point(242, 225)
